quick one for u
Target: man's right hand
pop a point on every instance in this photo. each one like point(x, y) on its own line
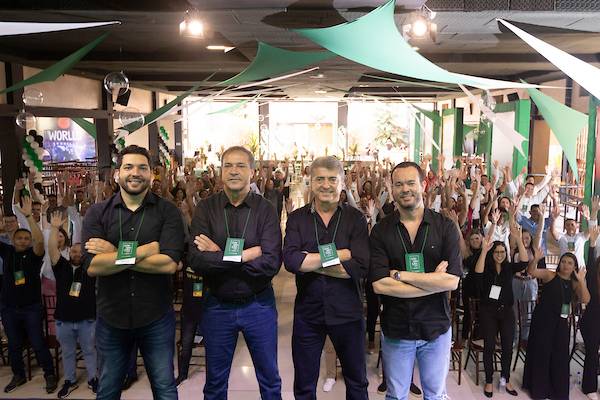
point(344, 255)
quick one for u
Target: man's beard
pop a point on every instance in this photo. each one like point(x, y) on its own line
point(143, 186)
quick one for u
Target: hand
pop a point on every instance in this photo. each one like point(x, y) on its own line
point(495, 164)
point(441, 267)
point(585, 211)
point(56, 219)
point(495, 216)
point(99, 246)
point(580, 275)
point(538, 253)
point(555, 211)
point(486, 244)
point(515, 231)
point(542, 213)
point(25, 209)
point(450, 214)
point(594, 233)
point(204, 243)
point(595, 205)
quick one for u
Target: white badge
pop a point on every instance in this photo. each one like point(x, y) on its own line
point(495, 292)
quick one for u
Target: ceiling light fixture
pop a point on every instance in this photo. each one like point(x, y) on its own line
point(419, 25)
point(320, 91)
point(224, 49)
point(192, 25)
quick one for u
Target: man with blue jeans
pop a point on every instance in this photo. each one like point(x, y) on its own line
point(415, 262)
point(237, 250)
point(134, 241)
point(75, 313)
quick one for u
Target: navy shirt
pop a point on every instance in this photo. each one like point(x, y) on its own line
point(321, 298)
point(131, 299)
point(227, 280)
point(420, 318)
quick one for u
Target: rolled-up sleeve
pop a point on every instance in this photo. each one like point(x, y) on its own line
point(451, 248)
point(293, 254)
point(172, 235)
point(269, 263)
point(380, 264)
point(358, 266)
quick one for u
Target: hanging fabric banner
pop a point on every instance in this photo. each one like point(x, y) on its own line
point(566, 123)
point(432, 115)
point(25, 28)
point(514, 137)
point(57, 69)
point(581, 72)
point(86, 125)
point(374, 40)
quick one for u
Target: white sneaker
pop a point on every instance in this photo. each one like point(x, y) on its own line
point(502, 381)
point(328, 385)
point(592, 396)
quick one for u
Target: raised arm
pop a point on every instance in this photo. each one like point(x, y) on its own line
point(36, 234)
point(532, 270)
point(56, 222)
point(539, 231)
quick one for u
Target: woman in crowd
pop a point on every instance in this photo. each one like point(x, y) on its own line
point(590, 329)
point(546, 372)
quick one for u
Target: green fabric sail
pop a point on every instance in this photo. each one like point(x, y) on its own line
point(432, 115)
point(230, 108)
point(86, 125)
point(566, 123)
point(57, 69)
point(374, 40)
point(272, 61)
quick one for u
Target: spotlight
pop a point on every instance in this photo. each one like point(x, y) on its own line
point(192, 25)
point(419, 25)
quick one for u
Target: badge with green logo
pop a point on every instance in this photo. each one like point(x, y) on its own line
point(126, 252)
point(197, 289)
point(565, 310)
point(233, 250)
point(414, 262)
point(328, 254)
point(571, 246)
point(19, 278)
point(75, 289)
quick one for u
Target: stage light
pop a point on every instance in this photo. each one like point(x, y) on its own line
point(192, 25)
point(419, 27)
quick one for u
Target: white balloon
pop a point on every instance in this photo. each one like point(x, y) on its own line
point(35, 145)
point(28, 163)
point(29, 138)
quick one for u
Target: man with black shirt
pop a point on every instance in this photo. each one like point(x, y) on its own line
point(237, 249)
point(133, 243)
point(327, 247)
point(415, 262)
point(21, 305)
point(75, 313)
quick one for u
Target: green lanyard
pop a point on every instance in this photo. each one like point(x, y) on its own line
point(424, 241)
point(121, 226)
point(245, 225)
point(334, 232)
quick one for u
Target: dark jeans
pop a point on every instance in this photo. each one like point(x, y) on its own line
point(307, 345)
point(189, 325)
point(27, 319)
point(155, 341)
point(590, 330)
point(373, 310)
point(493, 321)
point(257, 320)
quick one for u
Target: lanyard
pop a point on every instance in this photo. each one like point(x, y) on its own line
point(245, 225)
point(424, 241)
point(334, 232)
point(121, 226)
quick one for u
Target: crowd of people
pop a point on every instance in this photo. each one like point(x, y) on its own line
point(112, 250)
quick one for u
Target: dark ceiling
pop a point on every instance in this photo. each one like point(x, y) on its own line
point(147, 45)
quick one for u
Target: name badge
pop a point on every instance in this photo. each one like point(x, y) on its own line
point(495, 292)
point(571, 246)
point(524, 208)
point(328, 254)
point(75, 289)
point(126, 252)
point(565, 310)
point(19, 278)
point(197, 289)
point(233, 250)
point(414, 262)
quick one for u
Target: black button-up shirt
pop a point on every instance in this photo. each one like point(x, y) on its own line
point(320, 298)
point(421, 318)
point(504, 279)
point(27, 261)
point(131, 299)
point(230, 281)
point(71, 308)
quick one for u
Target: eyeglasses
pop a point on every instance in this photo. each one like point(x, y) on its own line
point(499, 252)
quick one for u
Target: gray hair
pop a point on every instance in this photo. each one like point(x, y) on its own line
point(240, 149)
point(328, 162)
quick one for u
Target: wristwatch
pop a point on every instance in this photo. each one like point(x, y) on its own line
point(397, 275)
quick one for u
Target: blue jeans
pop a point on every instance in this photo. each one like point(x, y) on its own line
point(156, 342)
point(257, 320)
point(433, 358)
point(69, 334)
point(28, 318)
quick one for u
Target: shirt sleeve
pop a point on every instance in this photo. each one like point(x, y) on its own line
point(451, 249)
point(380, 263)
point(358, 266)
point(269, 263)
point(92, 228)
point(293, 255)
point(172, 238)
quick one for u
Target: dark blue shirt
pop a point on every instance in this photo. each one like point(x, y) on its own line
point(321, 298)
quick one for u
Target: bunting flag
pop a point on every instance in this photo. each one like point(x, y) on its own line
point(514, 137)
point(432, 115)
point(86, 125)
point(413, 110)
point(566, 124)
point(25, 28)
point(374, 40)
point(581, 72)
point(55, 70)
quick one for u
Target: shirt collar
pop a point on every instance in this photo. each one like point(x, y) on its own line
point(249, 201)
point(150, 198)
point(427, 216)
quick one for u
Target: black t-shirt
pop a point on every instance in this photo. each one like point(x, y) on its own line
point(74, 308)
point(30, 264)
